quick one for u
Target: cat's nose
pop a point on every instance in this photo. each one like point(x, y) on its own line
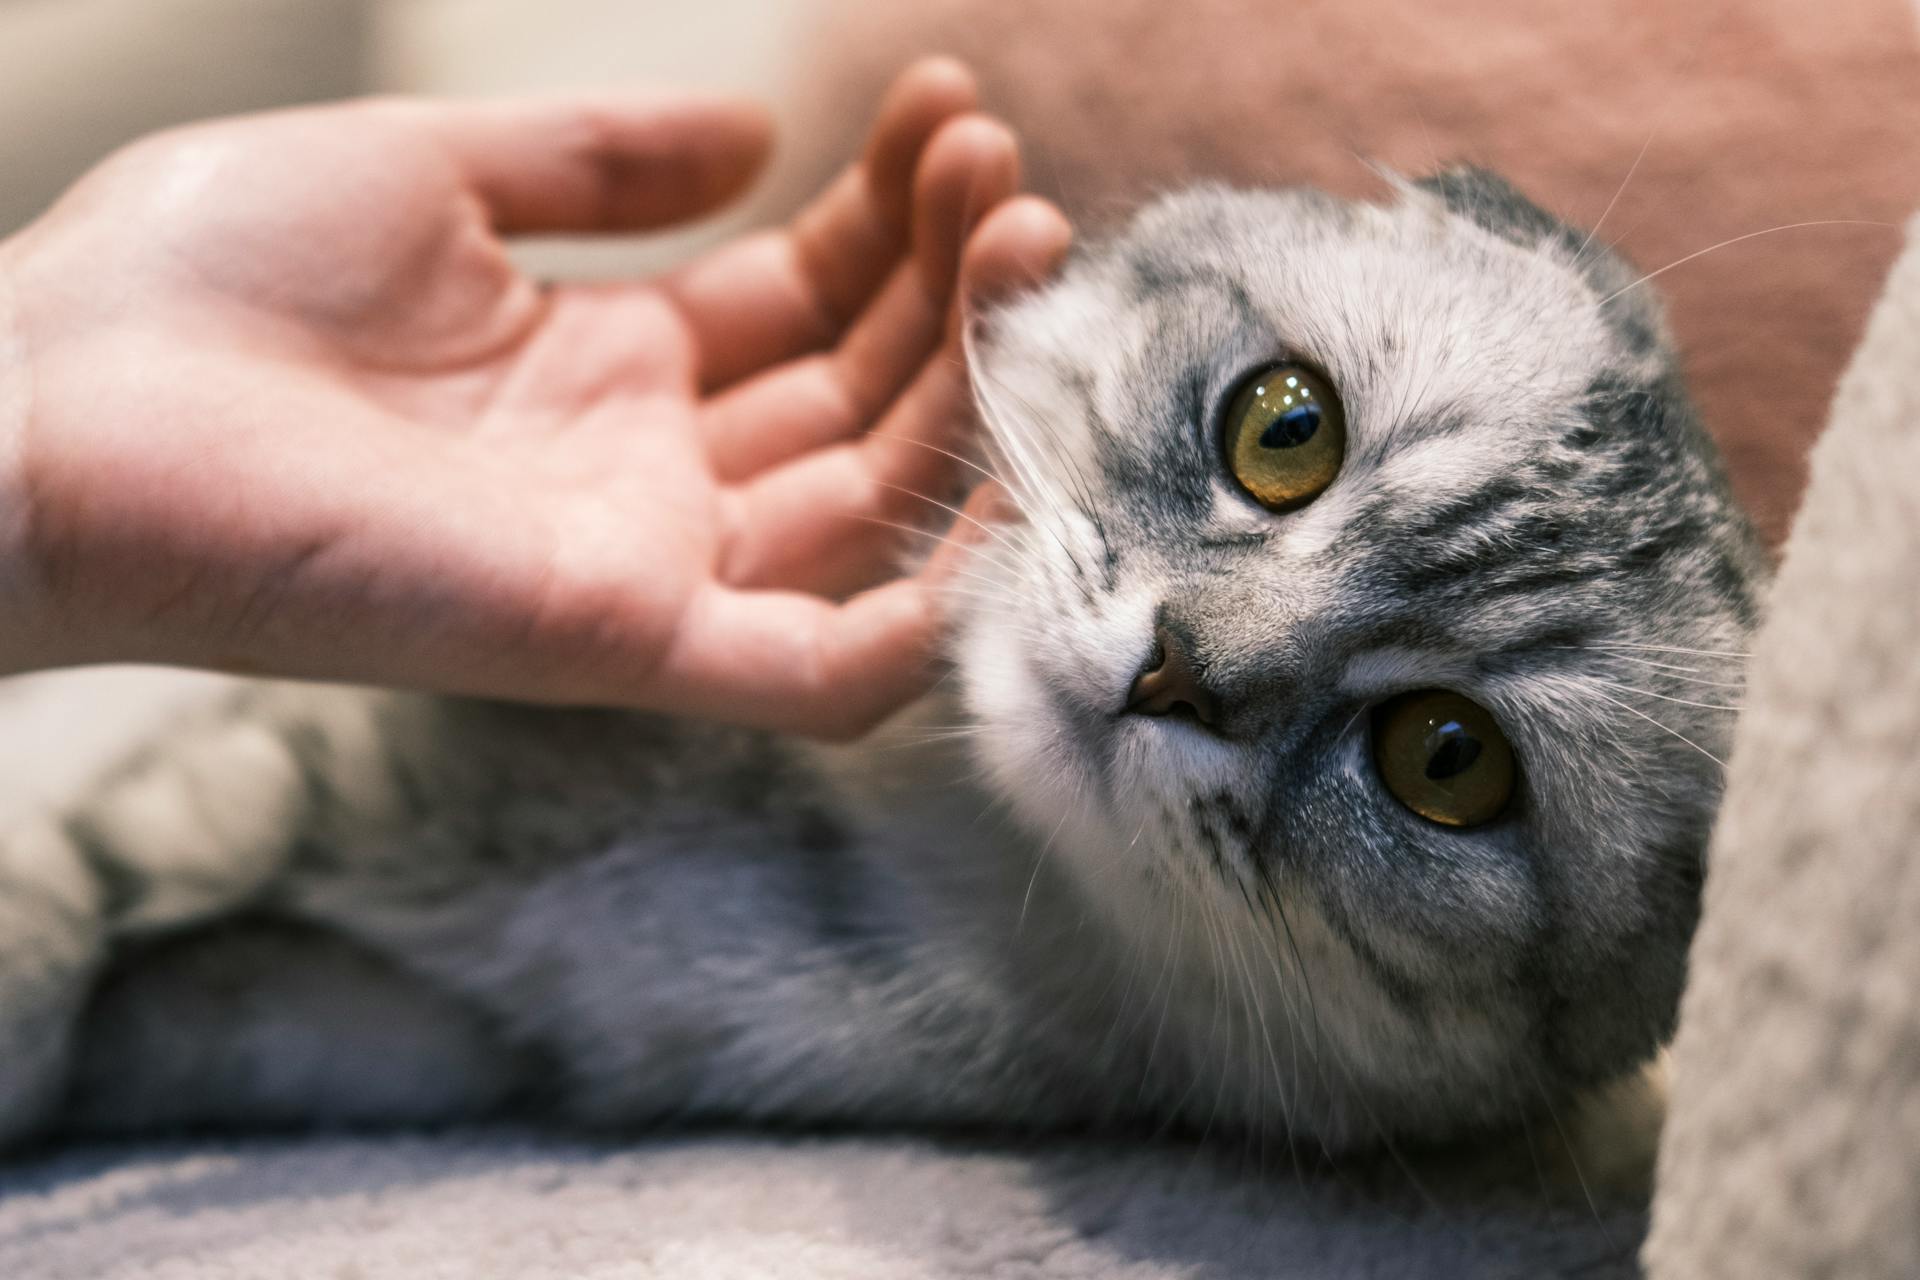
point(1171, 684)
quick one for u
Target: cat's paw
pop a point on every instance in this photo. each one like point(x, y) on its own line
point(51, 944)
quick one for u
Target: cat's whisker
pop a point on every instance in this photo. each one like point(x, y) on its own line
point(1733, 240)
point(1030, 494)
point(911, 745)
point(1619, 191)
point(1019, 436)
point(985, 590)
point(1686, 675)
point(974, 599)
point(1665, 648)
point(1215, 927)
point(945, 453)
point(1176, 939)
point(915, 530)
point(943, 732)
point(1068, 457)
point(1122, 1013)
point(1663, 727)
point(1288, 1102)
point(934, 739)
point(1035, 496)
point(1026, 899)
point(1083, 490)
point(987, 582)
point(1250, 999)
point(1291, 1105)
point(1023, 483)
point(1270, 895)
point(1359, 1096)
point(1025, 556)
point(1524, 1113)
point(1648, 693)
point(1573, 1155)
point(988, 591)
point(1001, 426)
point(990, 530)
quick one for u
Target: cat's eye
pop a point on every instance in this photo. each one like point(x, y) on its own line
point(1285, 435)
point(1444, 757)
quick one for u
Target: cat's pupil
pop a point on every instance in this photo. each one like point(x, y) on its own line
point(1451, 751)
point(1294, 427)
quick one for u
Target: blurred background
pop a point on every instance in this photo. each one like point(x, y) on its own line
point(79, 77)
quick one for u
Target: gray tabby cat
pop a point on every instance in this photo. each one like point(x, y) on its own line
point(1334, 763)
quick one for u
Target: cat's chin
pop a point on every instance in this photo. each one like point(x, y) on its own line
point(1167, 758)
point(1116, 795)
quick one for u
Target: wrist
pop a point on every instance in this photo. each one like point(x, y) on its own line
point(23, 612)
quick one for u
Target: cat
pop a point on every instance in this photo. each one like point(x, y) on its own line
point(1329, 754)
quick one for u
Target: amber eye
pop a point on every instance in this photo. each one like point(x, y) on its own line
point(1443, 757)
point(1285, 434)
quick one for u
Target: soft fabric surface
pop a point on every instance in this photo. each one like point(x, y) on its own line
point(1794, 1144)
point(510, 1205)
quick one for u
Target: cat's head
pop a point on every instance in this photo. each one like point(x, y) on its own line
point(1363, 642)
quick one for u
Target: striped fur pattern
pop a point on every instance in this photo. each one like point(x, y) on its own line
point(332, 906)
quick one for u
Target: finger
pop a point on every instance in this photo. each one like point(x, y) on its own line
point(828, 521)
point(970, 167)
point(818, 400)
point(599, 164)
point(774, 295)
point(1020, 246)
point(797, 663)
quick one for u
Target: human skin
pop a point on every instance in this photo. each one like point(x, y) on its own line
point(274, 398)
point(1708, 121)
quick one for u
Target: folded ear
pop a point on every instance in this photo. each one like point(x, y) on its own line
point(1488, 200)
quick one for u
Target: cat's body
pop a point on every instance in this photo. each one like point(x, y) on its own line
point(619, 919)
point(331, 906)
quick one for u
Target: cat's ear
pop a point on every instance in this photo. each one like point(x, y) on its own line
point(1489, 201)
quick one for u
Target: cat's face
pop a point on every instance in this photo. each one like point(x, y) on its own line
point(1193, 653)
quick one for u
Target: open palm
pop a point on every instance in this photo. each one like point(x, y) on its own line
point(318, 423)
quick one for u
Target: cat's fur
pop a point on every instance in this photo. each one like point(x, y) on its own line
point(336, 906)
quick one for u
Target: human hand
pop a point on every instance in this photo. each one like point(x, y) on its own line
point(294, 411)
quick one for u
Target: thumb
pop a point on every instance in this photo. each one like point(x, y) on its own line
point(601, 163)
